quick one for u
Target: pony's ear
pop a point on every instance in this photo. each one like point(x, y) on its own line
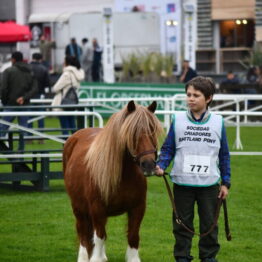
point(131, 106)
point(152, 107)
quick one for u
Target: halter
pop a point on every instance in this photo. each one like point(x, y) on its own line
point(136, 158)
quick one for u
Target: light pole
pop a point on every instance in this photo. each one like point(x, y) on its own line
point(168, 25)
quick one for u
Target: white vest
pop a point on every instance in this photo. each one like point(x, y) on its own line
point(197, 150)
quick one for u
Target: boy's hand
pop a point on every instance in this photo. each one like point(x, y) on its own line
point(223, 192)
point(159, 171)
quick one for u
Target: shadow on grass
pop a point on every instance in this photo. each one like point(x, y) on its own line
point(26, 188)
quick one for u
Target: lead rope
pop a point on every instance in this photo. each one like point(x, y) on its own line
point(180, 222)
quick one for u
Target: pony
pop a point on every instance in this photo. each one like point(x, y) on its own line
point(104, 174)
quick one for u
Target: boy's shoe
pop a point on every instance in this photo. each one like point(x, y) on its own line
point(184, 259)
point(210, 259)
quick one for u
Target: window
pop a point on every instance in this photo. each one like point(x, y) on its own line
point(237, 33)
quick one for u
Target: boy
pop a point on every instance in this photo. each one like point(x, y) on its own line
point(197, 142)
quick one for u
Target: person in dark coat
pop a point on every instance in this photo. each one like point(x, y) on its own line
point(230, 81)
point(187, 72)
point(43, 80)
point(96, 63)
point(41, 74)
point(74, 50)
point(18, 86)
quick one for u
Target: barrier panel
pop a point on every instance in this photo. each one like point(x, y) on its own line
point(33, 165)
point(128, 91)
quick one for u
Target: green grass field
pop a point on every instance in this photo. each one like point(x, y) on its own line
point(39, 227)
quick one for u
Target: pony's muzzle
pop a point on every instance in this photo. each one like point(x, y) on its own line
point(148, 167)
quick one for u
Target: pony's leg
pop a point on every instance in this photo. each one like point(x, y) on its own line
point(82, 254)
point(99, 254)
point(135, 217)
point(85, 233)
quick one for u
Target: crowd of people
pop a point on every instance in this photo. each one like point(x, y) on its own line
point(24, 80)
point(252, 79)
point(88, 56)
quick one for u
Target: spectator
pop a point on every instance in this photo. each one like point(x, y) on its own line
point(74, 50)
point(96, 63)
point(259, 72)
point(18, 86)
point(230, 80)
point(72, 76)
point(252, 75)
point(252, 78)
point(86, 59)
point(187, 72)
point(45, 47)
point(43, 81)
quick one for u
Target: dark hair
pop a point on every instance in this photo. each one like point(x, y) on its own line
point(203, 84)
point(84, 40)
point(71, 60)
point(251, 74)
point(37, 56)
point(17, 56)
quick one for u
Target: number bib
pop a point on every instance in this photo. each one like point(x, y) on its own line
point(195, 164)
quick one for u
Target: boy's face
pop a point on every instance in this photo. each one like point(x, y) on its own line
point(196, 100)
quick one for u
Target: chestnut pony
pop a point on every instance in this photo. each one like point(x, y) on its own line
point(104, 176)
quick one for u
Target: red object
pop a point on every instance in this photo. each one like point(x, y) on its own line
point(12, 32)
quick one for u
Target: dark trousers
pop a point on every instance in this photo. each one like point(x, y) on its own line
point(207, 200)
point(41, 122)
point(22, 120)
point(67, 122)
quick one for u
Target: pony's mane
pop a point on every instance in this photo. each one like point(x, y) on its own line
point(104, 158)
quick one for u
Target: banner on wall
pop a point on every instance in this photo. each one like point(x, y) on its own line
point(108, 56)
point(190, 33)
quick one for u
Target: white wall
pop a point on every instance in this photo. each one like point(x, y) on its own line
point(133, 32)
point(62, 6)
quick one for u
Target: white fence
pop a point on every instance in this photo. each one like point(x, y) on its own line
point(172, 104)
point(52, 113)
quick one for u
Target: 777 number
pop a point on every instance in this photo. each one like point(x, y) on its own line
point(199, 168)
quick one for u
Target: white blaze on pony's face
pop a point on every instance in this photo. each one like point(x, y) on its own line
point(98, 254)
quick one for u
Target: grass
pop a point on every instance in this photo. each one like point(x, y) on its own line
point(39, 227)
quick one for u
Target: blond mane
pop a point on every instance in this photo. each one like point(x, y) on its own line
point(104, 158)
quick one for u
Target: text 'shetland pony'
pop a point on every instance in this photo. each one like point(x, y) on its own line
point(104, 175)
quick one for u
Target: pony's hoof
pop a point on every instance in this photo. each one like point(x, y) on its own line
point(132, 255)
point(98, 259)
point(137, 259)
point(82, 254)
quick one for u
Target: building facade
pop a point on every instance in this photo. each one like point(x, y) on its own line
point(227, 32)
point(215, 35)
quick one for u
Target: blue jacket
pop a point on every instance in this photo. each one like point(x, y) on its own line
point(168, 151)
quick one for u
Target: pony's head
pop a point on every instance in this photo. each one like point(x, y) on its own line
point(129, 137)
point(141, 129)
